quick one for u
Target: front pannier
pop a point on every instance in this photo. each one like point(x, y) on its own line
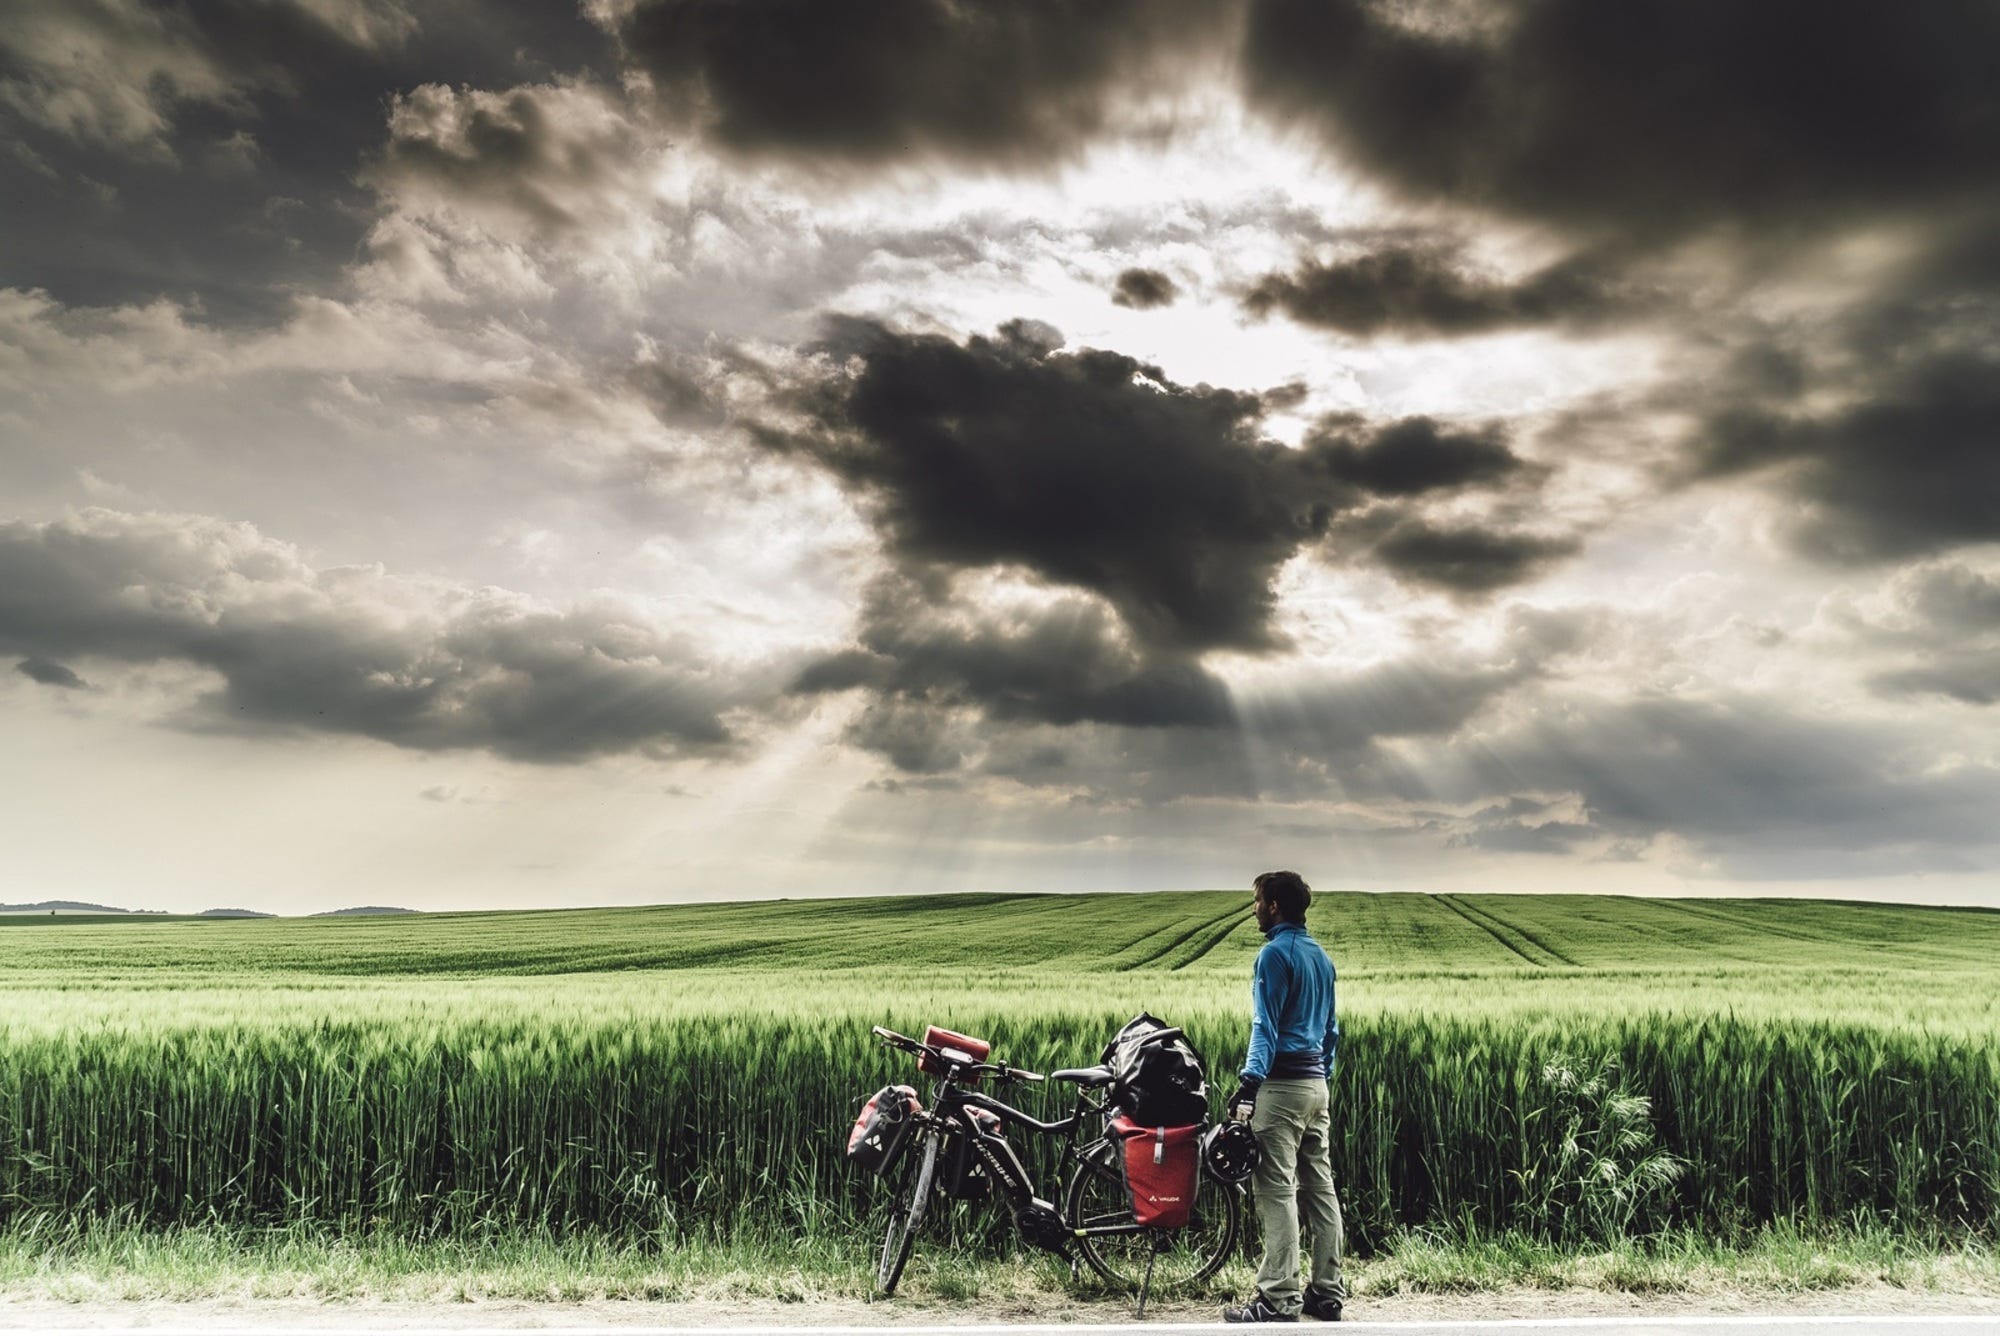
point(882, 1130)
point(1160, 1085)
point(1162, 1171)
point(963, 1171)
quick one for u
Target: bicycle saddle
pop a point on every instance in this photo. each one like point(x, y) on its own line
point(1084, 1076)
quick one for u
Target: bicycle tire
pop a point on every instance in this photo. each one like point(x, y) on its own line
point(906, 1211)
point(1096, 1195)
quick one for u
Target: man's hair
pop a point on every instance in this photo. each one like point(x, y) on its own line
point(1288, 891)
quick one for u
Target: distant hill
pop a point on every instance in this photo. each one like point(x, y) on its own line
point(47, 907)
point(71, 907)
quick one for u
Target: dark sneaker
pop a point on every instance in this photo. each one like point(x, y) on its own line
point(1322, 1306)
point(1257, 1310)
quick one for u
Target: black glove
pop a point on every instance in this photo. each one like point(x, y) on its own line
point(1243, 1104)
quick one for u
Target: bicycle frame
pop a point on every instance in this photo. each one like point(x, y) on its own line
point(947, 1109)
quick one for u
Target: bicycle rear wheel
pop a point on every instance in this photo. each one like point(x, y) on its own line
point(1182, 1258)
point(906, 1209)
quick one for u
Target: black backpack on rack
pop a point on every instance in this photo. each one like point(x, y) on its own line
point(1156, 1084)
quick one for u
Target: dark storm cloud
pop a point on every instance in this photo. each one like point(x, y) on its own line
point(1062, 663)
point(207, 152)
point(1411, 456)
point(1432, 290)
point(1768, 129)
point(1095, 471)
point(1650, 117)
point(1971, 678)
point(1764, 790)
point(1018, 82)
point(953, 686)
point(1310, 736)
point(49, 673)
point(1168, 733)
point(1090, 469)
point(1144, 289)
point(1946, 620)
point(348, 651)
point(1466, 558)
point(1913, 466)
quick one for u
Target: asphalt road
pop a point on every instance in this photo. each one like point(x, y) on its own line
point(1739, 1325)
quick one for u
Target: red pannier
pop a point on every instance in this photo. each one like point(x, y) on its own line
point(975, 1050)
point(1162, 1170)
point(876, 1142)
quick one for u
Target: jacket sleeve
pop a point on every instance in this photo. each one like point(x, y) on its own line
point(1331, 1045)
point(1267, 992)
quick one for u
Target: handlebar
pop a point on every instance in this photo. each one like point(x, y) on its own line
point(952, 1057)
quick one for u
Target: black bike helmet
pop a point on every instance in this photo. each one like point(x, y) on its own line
point(1229, 1152)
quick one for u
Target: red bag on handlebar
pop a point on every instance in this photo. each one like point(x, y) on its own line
point(1162, 1171)
point(975, 1050)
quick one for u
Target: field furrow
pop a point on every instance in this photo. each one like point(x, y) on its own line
point(1211, 940)
point(1494, 930)
point(1167, 948)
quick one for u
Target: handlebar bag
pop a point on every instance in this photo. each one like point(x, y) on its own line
point(974, 1049)
point(1156, 1084)
point(1162, 1170)
point(883, 1129)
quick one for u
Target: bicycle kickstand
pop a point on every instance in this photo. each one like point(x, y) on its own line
point(1146, 1285)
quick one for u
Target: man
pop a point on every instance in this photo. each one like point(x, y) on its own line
point(1284, 1094)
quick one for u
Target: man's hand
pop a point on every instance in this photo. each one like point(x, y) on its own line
point(1243, 1104)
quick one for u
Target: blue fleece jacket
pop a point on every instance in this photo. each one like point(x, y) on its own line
point(1293, 1033)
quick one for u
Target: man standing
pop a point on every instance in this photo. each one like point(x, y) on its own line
point(1284, 1094)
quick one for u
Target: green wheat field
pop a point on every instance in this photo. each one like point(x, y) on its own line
point(688, 1073)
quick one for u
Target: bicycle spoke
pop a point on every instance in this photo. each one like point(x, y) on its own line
point(906, 1211)
point(1180, 1258)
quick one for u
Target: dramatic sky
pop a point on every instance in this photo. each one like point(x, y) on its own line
point(466, 454)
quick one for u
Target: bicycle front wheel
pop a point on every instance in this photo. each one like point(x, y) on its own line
point(1181, 1258)
point(906, 1209)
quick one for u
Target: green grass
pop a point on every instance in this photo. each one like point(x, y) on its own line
point(92, 1261)
point(687, 1072)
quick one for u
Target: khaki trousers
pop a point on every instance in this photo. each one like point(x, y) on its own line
point(1294, 1181)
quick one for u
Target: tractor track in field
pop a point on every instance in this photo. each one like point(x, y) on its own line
point(1170, 947)
point(1480, 922)
point(1910, 952)
point(1212, 942)
point(1741, 924)
point(1533, 940)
